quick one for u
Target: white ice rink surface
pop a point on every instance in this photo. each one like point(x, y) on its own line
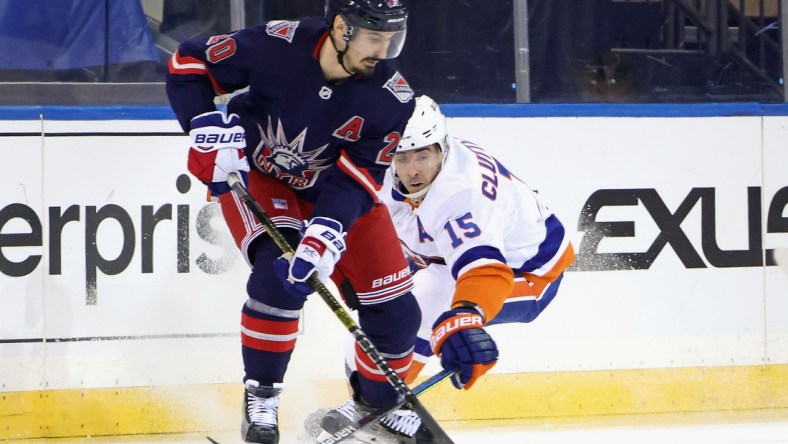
point(706, 429)
point(690, 434)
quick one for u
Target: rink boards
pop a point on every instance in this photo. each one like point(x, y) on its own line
point(121, 289)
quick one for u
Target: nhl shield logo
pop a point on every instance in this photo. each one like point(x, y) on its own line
point(399, 87)
point(282, 29)
point(325, 93)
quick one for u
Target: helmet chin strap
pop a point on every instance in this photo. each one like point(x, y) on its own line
point(341, 53)
point(415, 197)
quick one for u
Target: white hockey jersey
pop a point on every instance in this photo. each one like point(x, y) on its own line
point(477, 212)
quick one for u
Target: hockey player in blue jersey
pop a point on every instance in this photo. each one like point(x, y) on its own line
point(312, 136)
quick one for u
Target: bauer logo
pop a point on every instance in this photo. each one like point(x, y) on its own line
point(111, 237)
point(340, 435)
point(395, 277)
point(213, 139)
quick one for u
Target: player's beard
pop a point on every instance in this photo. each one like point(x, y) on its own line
point(363, 69)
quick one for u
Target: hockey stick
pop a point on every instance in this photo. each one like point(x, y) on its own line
point(349, 430)
point(366, 345)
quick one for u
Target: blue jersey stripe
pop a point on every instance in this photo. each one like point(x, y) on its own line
point(474, 254)
point(548, 249)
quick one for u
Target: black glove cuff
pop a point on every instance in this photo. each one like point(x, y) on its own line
point(463, 304)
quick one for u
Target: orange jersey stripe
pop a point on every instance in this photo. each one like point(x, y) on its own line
point(486, 286)
point(566, 259)
point(534, 285)
point(490, 285)
point(413, 373)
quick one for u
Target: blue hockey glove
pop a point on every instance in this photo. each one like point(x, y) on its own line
point(463, 345)
point(318, 252)
point(282, 270)
point(217, 149)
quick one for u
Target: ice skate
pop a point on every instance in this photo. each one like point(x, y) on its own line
point(398, 427)
point(405, 422)
point(261, 407)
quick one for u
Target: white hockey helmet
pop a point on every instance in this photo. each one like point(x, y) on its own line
point(426, 126)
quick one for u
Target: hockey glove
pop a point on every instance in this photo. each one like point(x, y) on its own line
point(217, 149)
point(318, 252)
point(463, 345)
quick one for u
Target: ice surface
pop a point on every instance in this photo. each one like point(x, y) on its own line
point(766, 427)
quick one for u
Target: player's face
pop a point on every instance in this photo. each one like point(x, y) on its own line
point(418, 168)
point(366, 49)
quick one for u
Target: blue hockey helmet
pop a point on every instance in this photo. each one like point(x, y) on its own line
point(377, 15)
point(387, 16)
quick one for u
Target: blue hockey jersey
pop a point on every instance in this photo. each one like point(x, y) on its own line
point(331, 142)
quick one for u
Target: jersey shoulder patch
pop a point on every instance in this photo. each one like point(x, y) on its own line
point(400, 87)
point(283, 29)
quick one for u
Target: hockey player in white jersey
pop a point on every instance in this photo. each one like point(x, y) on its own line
point(488, 248)
point(485, 249)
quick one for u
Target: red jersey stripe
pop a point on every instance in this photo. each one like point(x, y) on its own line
point(269, 327)
point(358, 174)
point(269, 346)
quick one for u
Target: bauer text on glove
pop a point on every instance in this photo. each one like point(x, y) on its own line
point(463, 345)
point(217, 149)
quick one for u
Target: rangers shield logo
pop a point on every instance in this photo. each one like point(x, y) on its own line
point(282, 29)
point(399, 87)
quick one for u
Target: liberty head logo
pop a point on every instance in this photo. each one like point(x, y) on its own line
point(286, 159)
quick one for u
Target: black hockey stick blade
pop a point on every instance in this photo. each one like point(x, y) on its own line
point(429, 423)
point(350, 429)
point(363, 341)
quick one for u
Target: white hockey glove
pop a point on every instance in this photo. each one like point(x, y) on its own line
point(318, 252)
point(217, 149)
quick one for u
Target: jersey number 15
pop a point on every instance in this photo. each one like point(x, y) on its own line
point(465, 227)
